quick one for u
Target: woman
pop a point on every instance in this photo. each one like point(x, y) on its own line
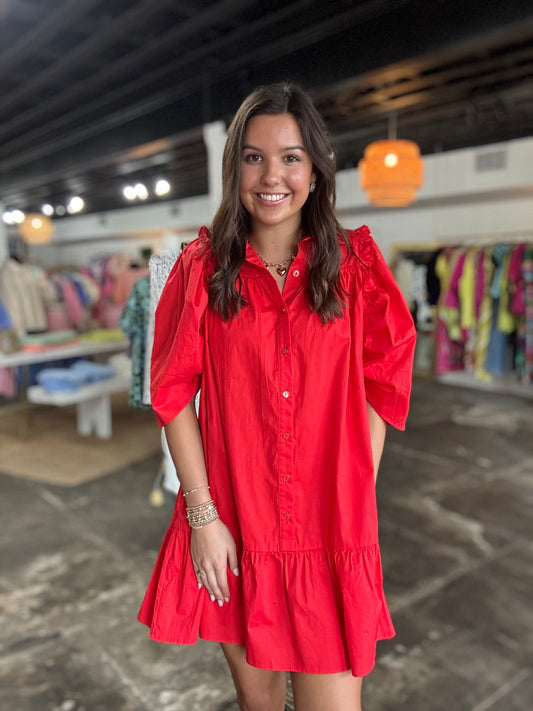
point(302, 345)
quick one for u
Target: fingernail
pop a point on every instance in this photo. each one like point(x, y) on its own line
point(199, 586)
point(235, 571)
point(212, 598)
point(220, 603)
point(226, 599)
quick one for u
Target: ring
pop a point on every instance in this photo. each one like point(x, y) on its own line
point(201, 572)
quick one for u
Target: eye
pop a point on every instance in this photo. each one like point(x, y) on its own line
point(252, 158)
point(291, 158)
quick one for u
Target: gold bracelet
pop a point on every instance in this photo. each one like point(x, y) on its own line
point(199, 516)
point(191, 491)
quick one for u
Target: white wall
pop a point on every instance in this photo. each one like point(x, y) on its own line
point(159, 226)
point(457, 203)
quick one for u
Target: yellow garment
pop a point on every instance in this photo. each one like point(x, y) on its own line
point(484, 321)
point(442, 270)
point(467, 283)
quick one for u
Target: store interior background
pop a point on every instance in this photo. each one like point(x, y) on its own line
point(458, 77)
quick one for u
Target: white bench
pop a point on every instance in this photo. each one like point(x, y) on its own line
point(93, 403)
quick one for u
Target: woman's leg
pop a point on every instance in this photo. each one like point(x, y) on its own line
point(326, 692)
point(257, 689)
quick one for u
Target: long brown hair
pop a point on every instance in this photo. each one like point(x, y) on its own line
point(231, 225)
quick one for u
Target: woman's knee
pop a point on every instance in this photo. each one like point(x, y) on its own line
point(326, 692)
point(257, 689)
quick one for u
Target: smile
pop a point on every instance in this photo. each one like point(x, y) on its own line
point(269, 197)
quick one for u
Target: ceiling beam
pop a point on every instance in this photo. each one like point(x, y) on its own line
point(40, 32)
point(80, 54)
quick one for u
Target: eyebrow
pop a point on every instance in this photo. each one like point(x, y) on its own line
point(288, 148)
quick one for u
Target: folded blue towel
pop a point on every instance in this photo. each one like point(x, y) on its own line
point(94, 371)
point(56, 380)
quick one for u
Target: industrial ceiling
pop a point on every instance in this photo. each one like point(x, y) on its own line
point(95, 94)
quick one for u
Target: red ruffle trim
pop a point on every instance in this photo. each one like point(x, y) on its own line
point(313, 611)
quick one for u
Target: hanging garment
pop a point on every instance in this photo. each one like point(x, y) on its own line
point(160, 266)
point(124, 283)
point(466, 289)
point(403, 273)
point(20, 293)
point(284, 422)
point(484, 276)
point(527, 272)
point(432, 280)
point(503, 322)
point(77, 315)
point(134, 322)
point(506, 319)
point(449, 352)
point(8, 342)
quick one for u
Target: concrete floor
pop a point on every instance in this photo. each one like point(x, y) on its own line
point(456, 499)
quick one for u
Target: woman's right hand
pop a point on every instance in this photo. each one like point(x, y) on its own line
point(213, 552)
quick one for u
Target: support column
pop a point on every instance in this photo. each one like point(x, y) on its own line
point(215, 140)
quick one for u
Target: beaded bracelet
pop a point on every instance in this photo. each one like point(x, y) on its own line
point(199, 516)
point(191, 491)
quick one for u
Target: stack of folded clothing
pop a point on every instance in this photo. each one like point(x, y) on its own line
point(93, 371)
point(81, 373)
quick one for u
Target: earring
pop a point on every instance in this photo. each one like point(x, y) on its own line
point(312, 187)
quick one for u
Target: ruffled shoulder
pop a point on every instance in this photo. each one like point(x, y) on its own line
point(197, 254)
point(363, 245)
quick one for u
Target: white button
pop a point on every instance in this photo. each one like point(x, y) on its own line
point(285, 393)
point(296, 273)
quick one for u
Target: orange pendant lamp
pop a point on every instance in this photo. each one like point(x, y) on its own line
point(391, 171)
point(36, 229)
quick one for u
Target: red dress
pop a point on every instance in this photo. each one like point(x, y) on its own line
point(285, 430)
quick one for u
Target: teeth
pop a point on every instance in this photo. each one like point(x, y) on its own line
point(271, 198)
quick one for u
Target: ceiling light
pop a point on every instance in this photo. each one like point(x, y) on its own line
point(18, 216)
point(391, 170)
point(141, 191)
point(7, 217)
point(162, 187)
point(47, 210)
point(76, 204)
point(60, 210)
point(36, 229)
point(129, 192)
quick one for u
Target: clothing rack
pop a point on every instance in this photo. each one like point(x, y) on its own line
point(427, 347)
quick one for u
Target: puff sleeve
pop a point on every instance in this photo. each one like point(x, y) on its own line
point(389, 338)
point(178, 348)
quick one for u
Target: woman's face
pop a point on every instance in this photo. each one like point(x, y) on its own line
point(276, 172)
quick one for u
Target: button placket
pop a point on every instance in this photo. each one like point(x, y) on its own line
point(286, 441)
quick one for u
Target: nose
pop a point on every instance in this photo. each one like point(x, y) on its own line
point(271, 173)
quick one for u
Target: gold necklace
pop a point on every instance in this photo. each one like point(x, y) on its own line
point(281, 267)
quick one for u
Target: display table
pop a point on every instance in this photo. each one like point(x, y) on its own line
point(93, 403)
point(93, 408)
point(74, 350)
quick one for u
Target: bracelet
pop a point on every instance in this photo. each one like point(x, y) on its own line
point(191, 491)
point(199, 516)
